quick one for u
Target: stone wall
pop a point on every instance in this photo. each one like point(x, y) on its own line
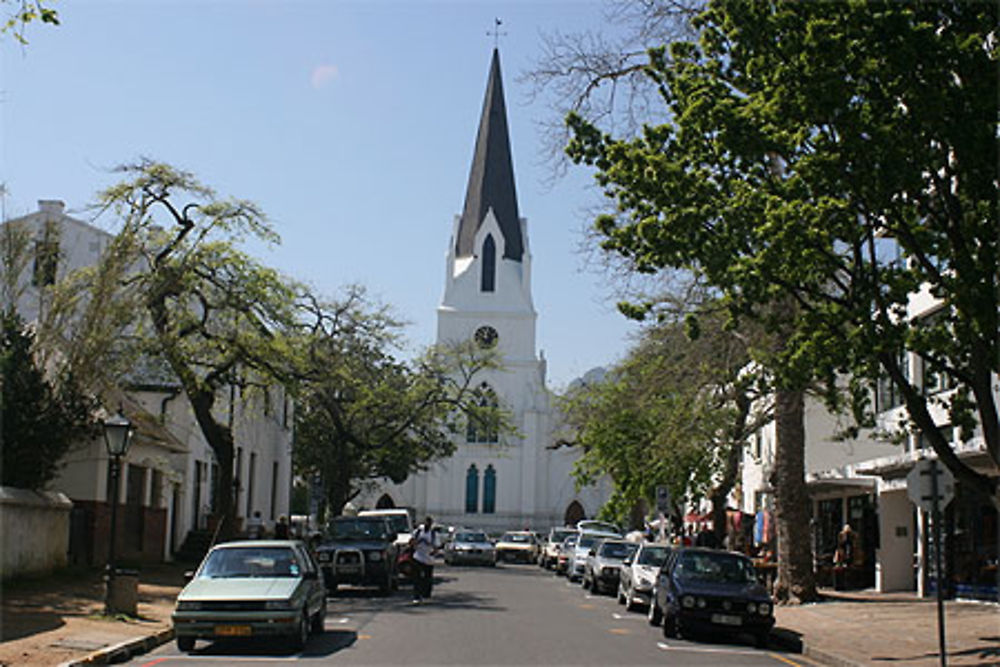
point(35, 529)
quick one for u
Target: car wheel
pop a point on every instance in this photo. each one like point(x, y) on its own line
point(621, 594)
point(185, 643)
point(630, 600)
point(302, 633)
point(319, 620)
point(762, 638)
point(655, 615)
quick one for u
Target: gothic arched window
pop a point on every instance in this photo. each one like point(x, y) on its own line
point(472, 490)
point(489, 490)
point(482, 426)
point(489, 266)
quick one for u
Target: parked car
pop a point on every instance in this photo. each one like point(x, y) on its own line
point(638, 574)
point(517, 546)
point(549, 552)
point(701, 589)
point(565, 554)
point(595, 526)
point(581, 550)
point(471, 547)
point(360, 551)
point(251, 589)
point(601, 569)
point(401, 521)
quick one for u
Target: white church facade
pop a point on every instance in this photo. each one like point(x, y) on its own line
point(496, 481)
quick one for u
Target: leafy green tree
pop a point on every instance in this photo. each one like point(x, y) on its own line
point(374, 416)
point(802, 140)
point(40, 419)
point(21, 13)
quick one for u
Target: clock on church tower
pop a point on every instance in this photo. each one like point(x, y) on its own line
point(486, 337)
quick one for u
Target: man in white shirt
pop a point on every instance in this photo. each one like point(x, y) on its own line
point(423, 548)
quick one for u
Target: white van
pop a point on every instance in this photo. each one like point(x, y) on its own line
point(399, 518)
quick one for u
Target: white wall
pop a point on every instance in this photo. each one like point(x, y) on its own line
point(35, 529)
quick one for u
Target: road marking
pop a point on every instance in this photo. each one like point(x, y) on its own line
point(628, 617)
point(704, 649)
point(620, 631)
point(785, 660)
point(342, 620)
point(584, 605)
point(364, 636)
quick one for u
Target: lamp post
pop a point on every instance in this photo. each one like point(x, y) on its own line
point(117, 435)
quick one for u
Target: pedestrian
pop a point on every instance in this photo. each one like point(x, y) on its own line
point(423, 562)
point(281, 528)
point(255, 526)
point(843, 556)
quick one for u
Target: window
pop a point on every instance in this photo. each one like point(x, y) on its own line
point(250, 474)
point(933, 378)
point(489, 490)
point(274, 490)
point(488, 278)
point(482, 427)
point(472, 490)
point(46, 261)
point(947, 432)
point(887, 394)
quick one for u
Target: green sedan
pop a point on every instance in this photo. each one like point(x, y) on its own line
point(266, 588)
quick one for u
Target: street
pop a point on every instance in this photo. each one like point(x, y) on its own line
point(510, 615)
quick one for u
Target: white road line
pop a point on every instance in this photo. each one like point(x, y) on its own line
point(628, 617)
point(663, 646)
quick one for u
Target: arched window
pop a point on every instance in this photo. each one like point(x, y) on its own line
point(482, 427)
point(489, 490)
point(385, 502)
point(472, 490)
point(489, 266)
point(574, 513)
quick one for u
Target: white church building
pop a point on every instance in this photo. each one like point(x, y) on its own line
point(497, 481)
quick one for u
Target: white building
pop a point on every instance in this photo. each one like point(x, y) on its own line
point(507, 481)
point(167, 479)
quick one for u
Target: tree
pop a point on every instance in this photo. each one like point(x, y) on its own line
point(41, 419)
point(803, 139)
point(374, 416)
point(20, 13)
point(213, 314)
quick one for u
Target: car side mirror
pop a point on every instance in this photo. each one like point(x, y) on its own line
point(627, 561)
point(188, 575)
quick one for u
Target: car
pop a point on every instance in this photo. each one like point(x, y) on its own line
point(517, 546)
point(359, 551)
point(601, 569)
point(578, 557)
point(595, 526)
point(401, 521)
point(638, 574)
point(710, 590)
point(565, 554)
point(548, 554)
point(252, 589)
point(470, 547)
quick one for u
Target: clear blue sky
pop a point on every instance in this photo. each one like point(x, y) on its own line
point(350, 123)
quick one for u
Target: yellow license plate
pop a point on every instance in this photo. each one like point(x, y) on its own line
point(233, 630)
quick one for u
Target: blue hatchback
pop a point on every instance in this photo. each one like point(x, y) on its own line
point(712, 591)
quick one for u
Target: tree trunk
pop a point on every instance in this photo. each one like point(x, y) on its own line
point(796, 582)
point(220, 439)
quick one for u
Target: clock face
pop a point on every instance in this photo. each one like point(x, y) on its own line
point(486, 336)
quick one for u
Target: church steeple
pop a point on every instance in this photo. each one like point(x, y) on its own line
point(491, 179)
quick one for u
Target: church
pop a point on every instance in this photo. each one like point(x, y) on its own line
point(495, 481)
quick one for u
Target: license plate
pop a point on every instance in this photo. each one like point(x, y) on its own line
point(726, 619)
point(348, 569)
point(233, 630)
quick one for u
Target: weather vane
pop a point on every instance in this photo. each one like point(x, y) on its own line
point(496, 34)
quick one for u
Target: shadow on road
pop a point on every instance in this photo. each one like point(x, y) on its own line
point(319, 646)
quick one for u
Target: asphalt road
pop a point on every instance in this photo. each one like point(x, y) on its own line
point(510, 615)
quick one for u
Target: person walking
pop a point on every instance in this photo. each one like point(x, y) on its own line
point(423, 561)
point(281, 528)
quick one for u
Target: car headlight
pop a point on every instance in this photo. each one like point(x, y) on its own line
point(374, 556)
point(702, 603)
point(688, 601)
point(188, 606)
point(645, 583)
point(278, 605)
point(764, 608)
point(751, 608)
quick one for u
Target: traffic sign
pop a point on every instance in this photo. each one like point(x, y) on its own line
point(663, 500)
point(920, 484)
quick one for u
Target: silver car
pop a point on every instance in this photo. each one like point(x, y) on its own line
point(638, 574)
point(470, 547)
point(602, 568)
point(578, 559)
point(251, 589)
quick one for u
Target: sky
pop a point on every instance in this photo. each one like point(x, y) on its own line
point(351, 124)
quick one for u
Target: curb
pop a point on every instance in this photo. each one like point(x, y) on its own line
point(794, 642)
point(123, 650)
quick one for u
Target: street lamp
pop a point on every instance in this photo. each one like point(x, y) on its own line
point(117, 435)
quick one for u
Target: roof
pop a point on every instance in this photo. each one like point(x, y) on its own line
point(491, 179)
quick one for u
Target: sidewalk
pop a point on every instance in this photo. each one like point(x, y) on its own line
point(56, 621)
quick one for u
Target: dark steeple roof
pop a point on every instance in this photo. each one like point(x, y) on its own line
point(491, 180)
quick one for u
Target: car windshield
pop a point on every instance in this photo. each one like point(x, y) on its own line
point(618, 550)
point(653, 556)
point(471, 537)
point(558, 536)
point(586, 541)
point(570, 541)
point(714, 567)
point(233, 562)
point(358, 529)
point(520, 538)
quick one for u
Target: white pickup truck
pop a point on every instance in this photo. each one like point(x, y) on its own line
point(401, 520)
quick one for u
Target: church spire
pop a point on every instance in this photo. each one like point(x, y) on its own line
point(491, 179)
